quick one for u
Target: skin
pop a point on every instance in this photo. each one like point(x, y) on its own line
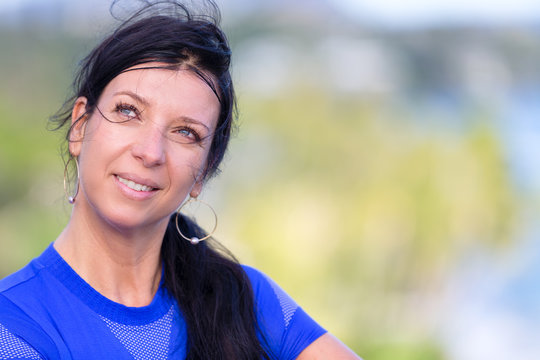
point(114, 236)
point(144, 130)
point(327, 347)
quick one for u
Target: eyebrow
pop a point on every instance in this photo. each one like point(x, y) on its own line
point(145, 102)
point(193, 121)
point(137, 97)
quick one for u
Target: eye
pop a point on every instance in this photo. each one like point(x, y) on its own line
point(127, 111)
point(187, 135)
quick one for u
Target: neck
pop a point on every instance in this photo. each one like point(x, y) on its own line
point(124, 266)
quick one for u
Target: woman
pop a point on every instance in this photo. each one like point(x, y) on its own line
point(130, 278)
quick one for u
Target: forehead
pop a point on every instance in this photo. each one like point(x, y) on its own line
point(158, 75)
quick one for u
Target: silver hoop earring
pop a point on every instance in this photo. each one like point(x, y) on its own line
point(195, 240)
point(71, 198)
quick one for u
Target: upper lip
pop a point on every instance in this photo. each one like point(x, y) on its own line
point(139, 180)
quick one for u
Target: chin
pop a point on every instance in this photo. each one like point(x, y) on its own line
point(131, 221)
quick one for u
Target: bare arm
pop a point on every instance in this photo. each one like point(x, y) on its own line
point(327, 347)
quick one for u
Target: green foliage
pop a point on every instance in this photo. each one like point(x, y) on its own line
point(403, 351)
point(35, 73)
point(369, 211)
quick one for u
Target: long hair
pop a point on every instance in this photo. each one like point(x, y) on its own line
point(210, 287)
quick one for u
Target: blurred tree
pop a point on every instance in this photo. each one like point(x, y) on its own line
point(369, 203)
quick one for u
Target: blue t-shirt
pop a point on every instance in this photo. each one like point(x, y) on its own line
point(47, 311)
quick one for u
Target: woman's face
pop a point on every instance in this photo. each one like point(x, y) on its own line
point(144, 148)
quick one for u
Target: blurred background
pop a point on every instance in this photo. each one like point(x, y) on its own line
point(385, 171)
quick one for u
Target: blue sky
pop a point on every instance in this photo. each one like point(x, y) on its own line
point(404, 13)
point(425, 12)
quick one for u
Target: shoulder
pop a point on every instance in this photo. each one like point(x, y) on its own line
point(269, 294)
point(263, 284)
point(256, 277)
point(20, 290)
point(25, 275)
point(290, 332)
point(285, 327)
point(14, 347)
point(271, 298)
point(17, 278)
point(21, 337)
point(21, 296)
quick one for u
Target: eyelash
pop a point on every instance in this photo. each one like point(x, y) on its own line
point(125, 106)
point(196, 136)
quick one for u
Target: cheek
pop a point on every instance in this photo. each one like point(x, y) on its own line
point(99, 148)
point(188, 165)
point(191, 166)
point(204, 161)
point(101, 136)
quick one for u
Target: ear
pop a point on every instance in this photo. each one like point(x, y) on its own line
point(197, 188)
point(78, 125)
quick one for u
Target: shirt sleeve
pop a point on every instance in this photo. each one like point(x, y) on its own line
point(285, 329)
point(13, 347)
point(21, 337)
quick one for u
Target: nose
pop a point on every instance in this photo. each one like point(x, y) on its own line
point(149, 147)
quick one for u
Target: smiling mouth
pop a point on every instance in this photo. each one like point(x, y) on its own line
point(133, 185)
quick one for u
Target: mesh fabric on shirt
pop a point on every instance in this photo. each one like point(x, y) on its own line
point(288, 306)
point(150, 341)
point(12, 347)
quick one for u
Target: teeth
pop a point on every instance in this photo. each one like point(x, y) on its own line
point(133, 185)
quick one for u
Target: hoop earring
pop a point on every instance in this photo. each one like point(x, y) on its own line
point(71, 199)
point(195, 240)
